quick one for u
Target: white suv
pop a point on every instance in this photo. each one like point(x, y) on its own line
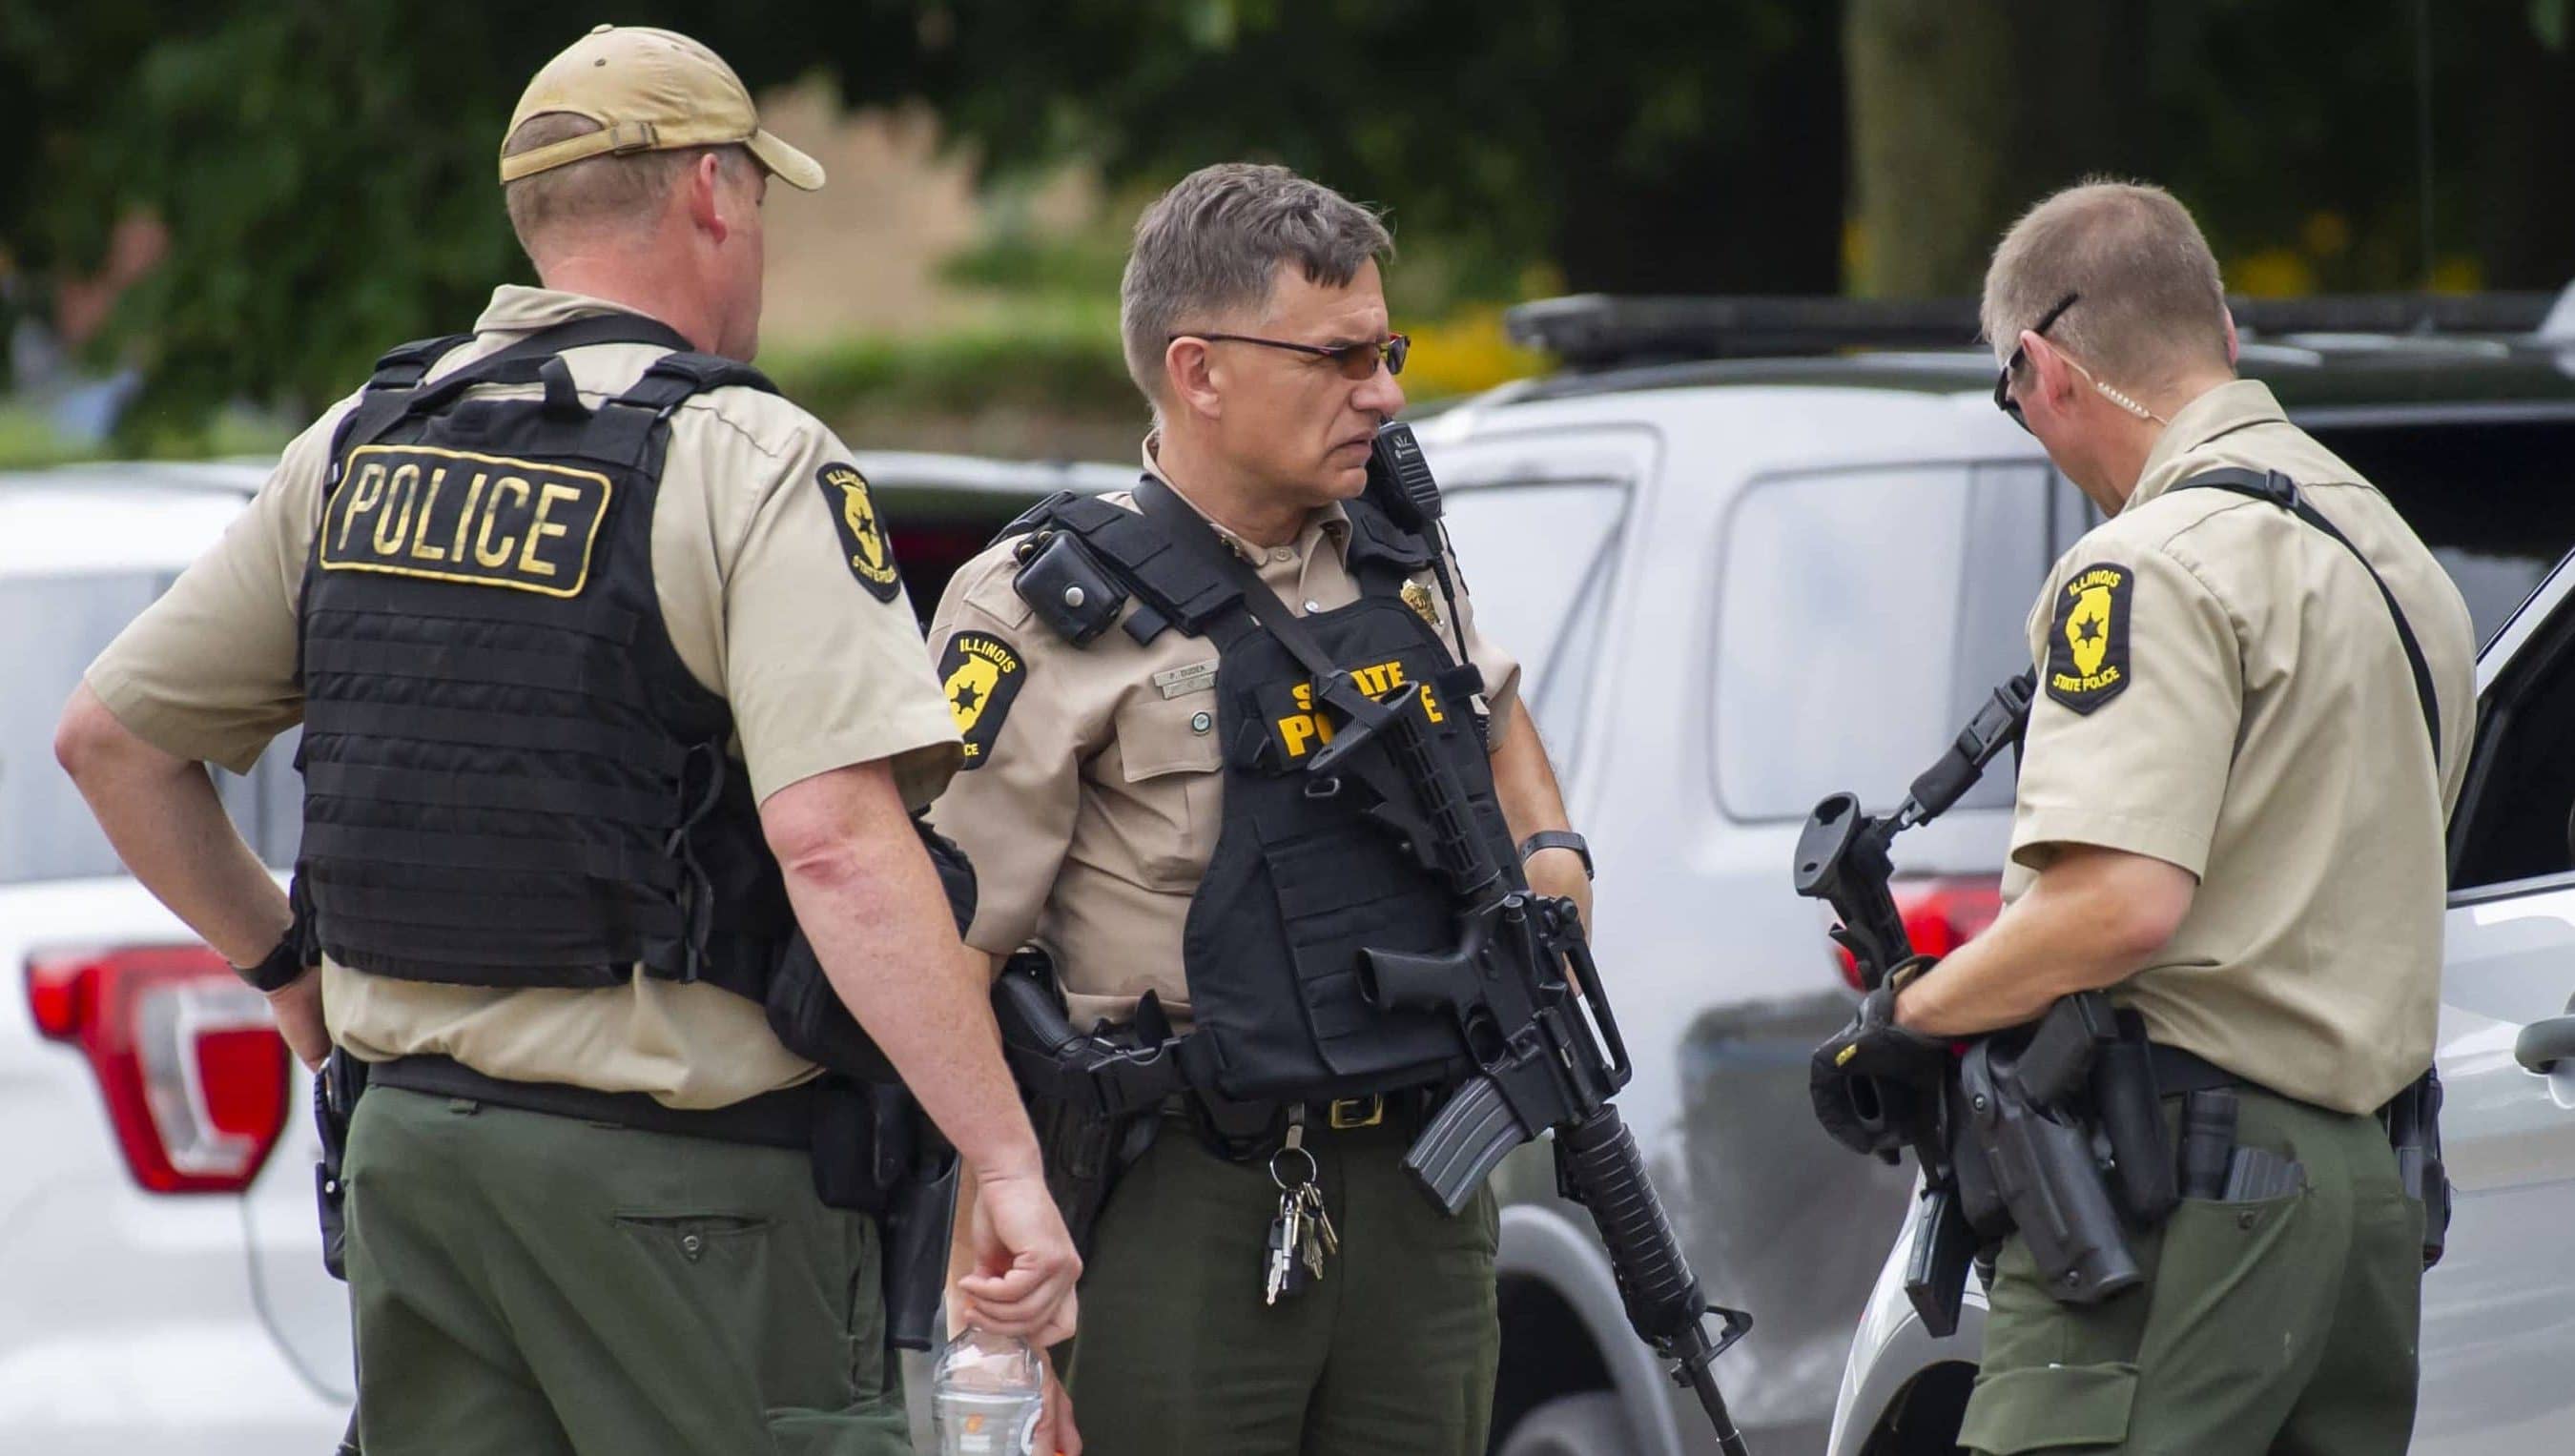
point(161, 1282)
point(1741, 583)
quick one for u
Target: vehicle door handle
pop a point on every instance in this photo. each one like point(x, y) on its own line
point(2543, 1045)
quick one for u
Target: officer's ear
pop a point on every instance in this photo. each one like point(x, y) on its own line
point(2234, 346)
point(702, 188)
point(1190, 376)
point(2050, 377)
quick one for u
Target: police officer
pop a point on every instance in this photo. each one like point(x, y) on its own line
point(1131, 802)
point(606, 684)
point(2254, 706)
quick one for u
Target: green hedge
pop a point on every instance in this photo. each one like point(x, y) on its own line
point(1056, 365)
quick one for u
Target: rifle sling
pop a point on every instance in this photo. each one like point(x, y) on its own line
point(2280, 490)
point(1165, 508)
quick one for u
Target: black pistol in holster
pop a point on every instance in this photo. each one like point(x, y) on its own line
point(335, 1100)
point(1094, 1097)
point(2066, 1140)
point(873, 1150)
point(915, 1173)
point(2414, 1129)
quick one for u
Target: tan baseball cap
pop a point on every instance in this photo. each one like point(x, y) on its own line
point(651, 90)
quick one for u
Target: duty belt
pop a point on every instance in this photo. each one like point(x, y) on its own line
point(783, 1118)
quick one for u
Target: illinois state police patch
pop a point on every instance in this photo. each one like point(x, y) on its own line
point(863, 534)
point(2088, 644)
point(982, 674)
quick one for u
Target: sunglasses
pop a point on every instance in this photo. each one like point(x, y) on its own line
point(2003, 400)
point(1356, 360)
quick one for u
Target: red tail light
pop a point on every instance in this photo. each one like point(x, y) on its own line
point(1939, 916)
point(193, 1070)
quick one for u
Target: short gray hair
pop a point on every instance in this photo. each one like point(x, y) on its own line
point(2152, 304)
point(610, 187)
point(1211, 246)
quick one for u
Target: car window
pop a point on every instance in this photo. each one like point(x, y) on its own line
point(1553, 543)
point(1862, 617)
point(54, 625)
point(2491, 498)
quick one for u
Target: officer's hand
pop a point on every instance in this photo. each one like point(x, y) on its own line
point(1870, 1080)
point(1024, 1267)
point(297, 1005)
point(1055, 1429)
point(1557, 874)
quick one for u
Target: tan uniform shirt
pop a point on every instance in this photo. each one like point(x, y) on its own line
point(2221, 688)
point(1091, 793)
point(765, 609)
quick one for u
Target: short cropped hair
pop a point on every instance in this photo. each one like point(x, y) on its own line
point(609, 189)
point(2152, 306)
point(1211, 246)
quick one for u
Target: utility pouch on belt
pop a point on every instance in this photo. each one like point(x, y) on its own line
point(1094, 1098)
point(2414, 1129)
point(335, 1100)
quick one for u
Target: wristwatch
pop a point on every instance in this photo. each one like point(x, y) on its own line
point(282, 965)
point(1558, 840)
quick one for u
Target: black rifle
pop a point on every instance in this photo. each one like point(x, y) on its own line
point(2007, 1141)
point(1544, 1064)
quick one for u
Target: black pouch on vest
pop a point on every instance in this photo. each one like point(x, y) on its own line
point(1067, 588)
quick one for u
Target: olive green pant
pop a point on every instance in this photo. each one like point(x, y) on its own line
point(527, 1284)
point(1391, 1351)
point(2282, 1326)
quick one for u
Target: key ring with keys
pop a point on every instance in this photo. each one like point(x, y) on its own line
point(1311, 1169)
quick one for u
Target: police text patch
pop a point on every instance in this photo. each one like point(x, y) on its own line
point(982, 674)
point(451, 516)
point(2087, 643)
point(1299, 727)
point(863, 534)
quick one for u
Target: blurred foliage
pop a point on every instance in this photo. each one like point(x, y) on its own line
point(324, 167)
point(1064, 361)
point(2295, 129)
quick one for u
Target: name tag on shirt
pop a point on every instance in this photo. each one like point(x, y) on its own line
point(452, 516)
point(1180, 682)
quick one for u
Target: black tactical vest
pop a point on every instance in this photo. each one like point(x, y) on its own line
point(1303, 877)
point(510, 779)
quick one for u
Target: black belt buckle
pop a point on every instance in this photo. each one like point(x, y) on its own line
point(1346, 1114)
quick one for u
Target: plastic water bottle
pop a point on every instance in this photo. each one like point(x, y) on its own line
point(987, 1395)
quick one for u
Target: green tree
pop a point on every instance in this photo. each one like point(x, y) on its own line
point(2294, 128)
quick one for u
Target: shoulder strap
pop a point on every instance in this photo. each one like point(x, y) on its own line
point(402, 366)
point(397, 394)
point(1192, 531)
point(2280, 490)
point(674, 377)
point(1181, 583)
